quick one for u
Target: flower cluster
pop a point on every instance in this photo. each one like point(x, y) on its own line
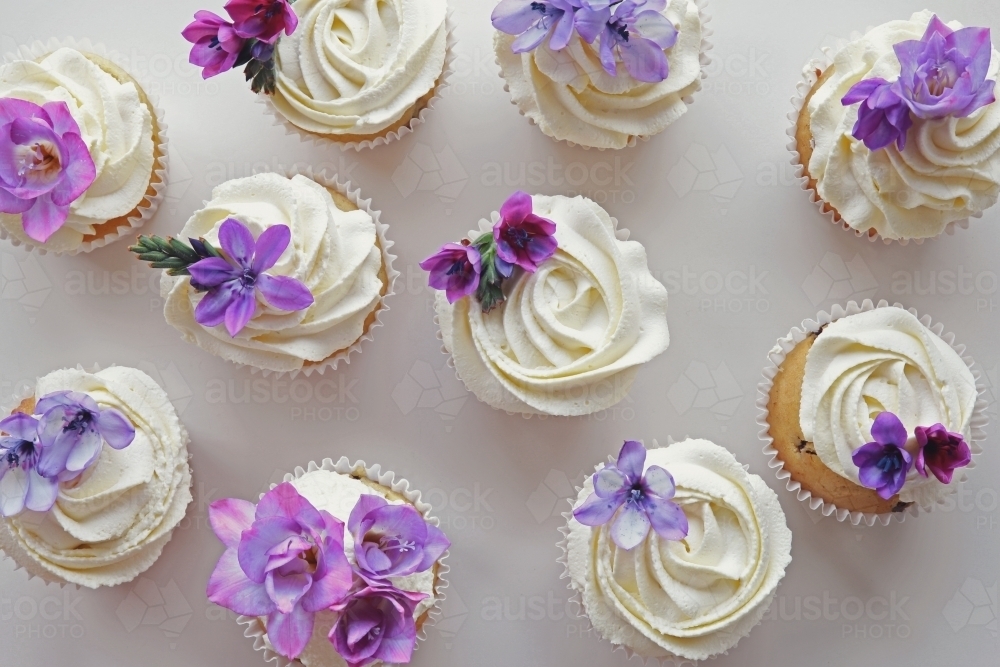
point(44, 164)
point(249, 39)
point(285, 560)
point(632, 32)
point(884, 463)
point(942, 74)
point(61, 440)
point(520, 238)
point(643, 498)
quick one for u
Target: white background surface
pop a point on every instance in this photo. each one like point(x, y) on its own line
point(496, 478)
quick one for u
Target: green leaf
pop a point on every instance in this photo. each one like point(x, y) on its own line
point(183, 250)
point(170, 253)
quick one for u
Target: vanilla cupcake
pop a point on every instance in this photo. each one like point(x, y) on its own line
point(95, 477)
point(548, 309)
point(319, 277)
point(88, 153)
point(599, 73)
point(891, 149)
point(678, 553)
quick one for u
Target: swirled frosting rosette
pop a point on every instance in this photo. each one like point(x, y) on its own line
point(548, 309)
point(687, 562)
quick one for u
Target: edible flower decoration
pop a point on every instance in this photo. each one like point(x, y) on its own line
point(941, 452)
point(632, 32)
point(634, 499)
point(479, 267)
point(44, 165)
point(249, 39)
point(232, 277)
point(376, 624)
point(943, 74)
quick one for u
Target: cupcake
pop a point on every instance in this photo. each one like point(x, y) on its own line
point(357, 73)
point(281, 274)
point(85, 155)
point(600, 73)
point(675, 553)
point(548, 309)
point(338, 565)
point(870, 412)
point(95, 477)
point(897, 131)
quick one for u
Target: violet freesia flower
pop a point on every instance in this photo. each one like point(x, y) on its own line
point(883, 464)
point(392, 540)
point(72, 429)
point(233, 283)
point(883, 117)
point(284, 559)
point(521, 237)
point(262, 19)
point(455, 268)
point(216, 44)
point(44, 164)
point(534, 20)
point(376, 624)
point(635, 30)
point(21, 486)
point(644, 500)
point(941, 452)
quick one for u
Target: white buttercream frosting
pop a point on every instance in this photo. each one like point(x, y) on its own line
point(949, 170)
point(570, 96)
point(114, 123)
point(113, 522)
point(693, 598)
point(877, 361)
point(354, 67)
point(333, 252)
point(570, 337)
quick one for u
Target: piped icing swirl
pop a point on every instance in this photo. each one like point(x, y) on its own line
point(112, 524)
point(335, 253)
point(949, 170)
point(570, 97)
point(570, 337)
point(876, 361)
point(355, 67)
point(697, 597)
point(115, 124)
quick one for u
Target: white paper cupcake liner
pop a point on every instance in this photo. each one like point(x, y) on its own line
point(703, 57)
point(802, 89)
point(418, 119)
point(777, 355)
point(255, 629)
point(149, 203)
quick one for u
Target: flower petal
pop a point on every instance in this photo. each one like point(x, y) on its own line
point(644, 60)
point(365, 504)
point(514, 16)
point(240, 311)
point(212, 272)
point(284, 292)
point(630, 528)
point(888, 430)
point(42, 492)
point(237, 241)
point(530, 38)
point(289, 633)
point(44, 218)
point(657, 28)
point(21, 426)
point(85, 452)
point(229, 587)
point(435, 545)
point(261, 538)
point(335, 583)
point(608, 481)
point(659, 482)
point(515, 209)
point(13, 491)
point(597, 511)
point(228, 518)
point(270, 245)
point(115, 428)
point(286, 589)
point(78, 174)
point(666, 517)
point(211, 310)
point(631, 459)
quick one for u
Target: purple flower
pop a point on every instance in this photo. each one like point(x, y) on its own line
point(376, 623)
point(44, 164)
point(262, 19)
point(216, 44)
point(284, 559)
point(944, 73)
point(72, 429)
point(883, 117)
point(521, 237)
point(21, 486)
point(534, 20)
point(233, 283)
point(941, 452)
point(635, 30)
point(455, 268)
point(392, 540)
point(646, 500)
point(883, 464)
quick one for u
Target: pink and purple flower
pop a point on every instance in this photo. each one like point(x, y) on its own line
point(21, 485)
point(634, 32)
point(376, 624)
point(941, 452)
point(392, 540)
point(523, 238)
point(883, 117)
point(455, 268)
point(264, 20)
point(534, 20)
point(883, 464)
point(72, 429)
point(217, 46)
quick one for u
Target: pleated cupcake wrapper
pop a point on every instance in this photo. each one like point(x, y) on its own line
point(802, 89)
point(703, 57)
point(255, 628)
point(487, 226)
point(418, 119)
point(150, 202)
point(826, 508)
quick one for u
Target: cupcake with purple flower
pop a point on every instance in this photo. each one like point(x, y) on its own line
point(338, 565)
point(601, 73)
point(895, 131)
